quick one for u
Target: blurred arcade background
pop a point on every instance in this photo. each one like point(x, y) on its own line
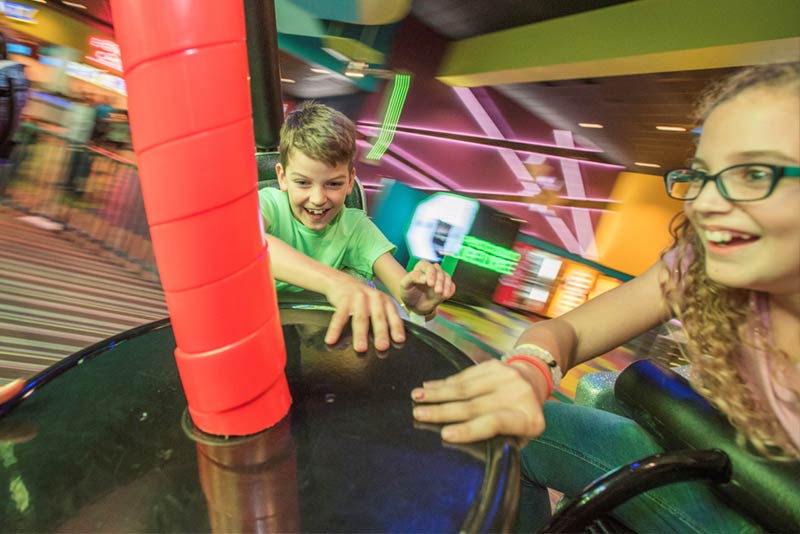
point(520, 143)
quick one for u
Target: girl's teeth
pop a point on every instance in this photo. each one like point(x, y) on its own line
point(722, 236)
point(718, 237)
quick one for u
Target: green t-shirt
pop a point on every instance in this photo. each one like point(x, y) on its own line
point(351, 242)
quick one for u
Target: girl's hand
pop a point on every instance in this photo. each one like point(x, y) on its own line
point(425, 287)
point(486, 400)
point(10, 390)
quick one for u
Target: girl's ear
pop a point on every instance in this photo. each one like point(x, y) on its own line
point(281, 177)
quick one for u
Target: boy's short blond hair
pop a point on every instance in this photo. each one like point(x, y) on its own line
point(319, 132)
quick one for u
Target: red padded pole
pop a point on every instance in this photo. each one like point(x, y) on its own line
point(185, 64)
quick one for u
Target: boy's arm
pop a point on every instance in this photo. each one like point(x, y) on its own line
point(365, 304)
point(421, 290)
point(494, 398)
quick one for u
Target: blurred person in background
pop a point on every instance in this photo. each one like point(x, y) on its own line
point(80, 125)
point(13, 96)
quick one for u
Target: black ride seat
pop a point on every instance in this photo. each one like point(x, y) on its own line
point(700, 444)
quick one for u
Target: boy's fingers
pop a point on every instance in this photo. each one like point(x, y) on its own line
point(360, 326)
point(435, 277)
point(380, 327)
point(397, 328)
point(338, 321)
point(449, 288)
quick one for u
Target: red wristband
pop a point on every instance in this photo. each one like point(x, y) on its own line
point(539, 365)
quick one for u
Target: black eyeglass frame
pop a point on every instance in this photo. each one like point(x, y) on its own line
point(778, 172)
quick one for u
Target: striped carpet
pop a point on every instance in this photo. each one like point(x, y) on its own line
point(59, 293)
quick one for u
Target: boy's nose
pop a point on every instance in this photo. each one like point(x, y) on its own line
point(318, 196)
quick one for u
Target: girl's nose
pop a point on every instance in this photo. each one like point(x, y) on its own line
point(710, 199)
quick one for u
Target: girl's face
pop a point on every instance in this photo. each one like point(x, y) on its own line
point(751, 245)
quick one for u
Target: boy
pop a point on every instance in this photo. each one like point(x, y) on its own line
point(307, 219)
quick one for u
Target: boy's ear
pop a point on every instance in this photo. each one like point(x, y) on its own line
point(351, 181)
point(281, 177)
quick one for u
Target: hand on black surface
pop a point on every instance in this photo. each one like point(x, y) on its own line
point(11, 389)
point(483, 401)
point(364, 306)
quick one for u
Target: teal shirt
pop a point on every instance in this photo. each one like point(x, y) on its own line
point(351, 242)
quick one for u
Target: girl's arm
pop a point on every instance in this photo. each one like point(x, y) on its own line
point(603, 323)
point(495, 398)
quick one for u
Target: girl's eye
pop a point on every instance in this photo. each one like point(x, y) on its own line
point(758, 174)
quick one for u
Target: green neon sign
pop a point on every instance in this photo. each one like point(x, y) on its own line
point(400, 86)
point(488, 255)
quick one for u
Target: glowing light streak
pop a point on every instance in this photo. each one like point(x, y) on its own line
point(397, 99)
point(529, 187)
point(414, 173)
point(574, 184)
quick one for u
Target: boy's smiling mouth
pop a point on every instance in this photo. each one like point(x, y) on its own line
point(316, 214)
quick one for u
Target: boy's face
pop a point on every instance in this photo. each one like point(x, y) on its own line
point(316, 190)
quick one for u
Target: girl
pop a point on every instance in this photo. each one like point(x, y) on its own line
point(733, 280)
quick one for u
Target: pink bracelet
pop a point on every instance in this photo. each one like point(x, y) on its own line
point(539, 365)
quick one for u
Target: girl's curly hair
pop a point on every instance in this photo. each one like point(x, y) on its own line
point(718, 320)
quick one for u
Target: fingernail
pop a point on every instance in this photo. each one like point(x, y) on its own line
point(420, 413)
point(418, 394)
point(449, 434)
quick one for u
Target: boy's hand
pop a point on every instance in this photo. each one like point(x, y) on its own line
point(425, 287)
point(366, 305)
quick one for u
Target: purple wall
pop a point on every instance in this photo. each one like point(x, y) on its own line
point(462, 167)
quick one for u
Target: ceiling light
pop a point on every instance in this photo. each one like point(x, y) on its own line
point(640, 164)
point(338, 55)
point(590, 125)
point(354, 74)
point(287, 80)
point(671, 128)
point(73, 4)
point(319, 71)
